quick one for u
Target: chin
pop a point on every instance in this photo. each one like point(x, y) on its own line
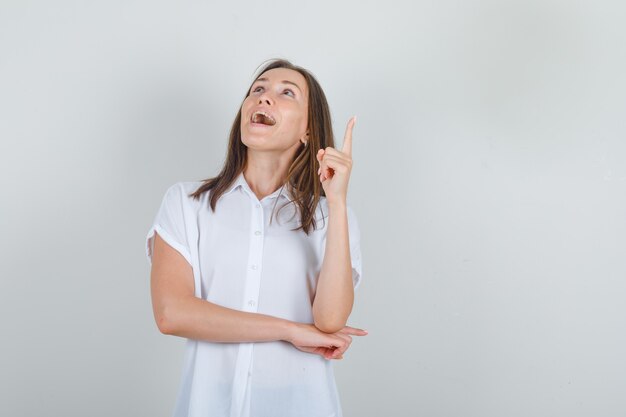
point(256, 142)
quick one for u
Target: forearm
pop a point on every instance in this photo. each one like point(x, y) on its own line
point(199, 319)
point(334, 296)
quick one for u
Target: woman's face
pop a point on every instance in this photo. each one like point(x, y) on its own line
point(282, 95)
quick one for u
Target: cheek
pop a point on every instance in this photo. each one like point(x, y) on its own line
point(247, 103)
point(245, 107)
point(298, 118)
point(305, 116)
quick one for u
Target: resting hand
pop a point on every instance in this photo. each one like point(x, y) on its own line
point(308, 338)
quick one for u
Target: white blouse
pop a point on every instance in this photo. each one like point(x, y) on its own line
point(243, 262)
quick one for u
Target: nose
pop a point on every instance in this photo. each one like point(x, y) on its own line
point(265, 98)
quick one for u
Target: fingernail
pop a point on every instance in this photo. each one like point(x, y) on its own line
point(355, 119)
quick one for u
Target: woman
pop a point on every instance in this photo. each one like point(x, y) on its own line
point(257, 267)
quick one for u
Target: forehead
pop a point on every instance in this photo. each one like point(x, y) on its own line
point(282, 74)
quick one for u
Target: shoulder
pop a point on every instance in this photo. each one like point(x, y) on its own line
point(180, 191)
point(187, 187)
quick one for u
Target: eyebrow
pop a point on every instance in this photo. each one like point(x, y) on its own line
point(283, 81)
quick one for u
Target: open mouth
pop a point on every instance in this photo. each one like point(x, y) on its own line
point(260, 117)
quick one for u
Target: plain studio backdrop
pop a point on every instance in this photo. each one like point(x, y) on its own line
point(489, 181)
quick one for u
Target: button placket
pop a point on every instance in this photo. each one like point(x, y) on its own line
point(255, 258)
point(250, 303)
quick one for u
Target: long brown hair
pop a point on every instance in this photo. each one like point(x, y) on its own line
point(302, 180)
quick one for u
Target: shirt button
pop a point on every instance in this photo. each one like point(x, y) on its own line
point(254, 267)
point(258, 232)
point(251, 303)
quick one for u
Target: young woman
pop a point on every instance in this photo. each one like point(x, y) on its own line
point(257, 267)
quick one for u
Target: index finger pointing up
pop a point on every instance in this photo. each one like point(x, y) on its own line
point(347, 139)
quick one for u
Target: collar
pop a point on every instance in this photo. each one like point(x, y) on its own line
point(240, 181)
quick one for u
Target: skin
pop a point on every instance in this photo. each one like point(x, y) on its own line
point(270, 151)
point(272, 148)
point(335, 291)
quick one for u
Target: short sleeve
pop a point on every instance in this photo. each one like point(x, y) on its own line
point(354, 236)
point(169, 223)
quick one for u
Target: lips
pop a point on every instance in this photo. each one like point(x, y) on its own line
point(262, 117)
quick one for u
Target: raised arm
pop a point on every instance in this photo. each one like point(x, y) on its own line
point(334, 297)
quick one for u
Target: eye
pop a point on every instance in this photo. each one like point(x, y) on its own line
point(254, 91)
point(292, 93)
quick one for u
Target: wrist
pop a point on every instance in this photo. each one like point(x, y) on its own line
point(287, 330)
point(336, 205)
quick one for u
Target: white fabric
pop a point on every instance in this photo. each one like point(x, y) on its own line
point(241, 261)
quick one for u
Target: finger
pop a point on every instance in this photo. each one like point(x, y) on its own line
point(331, 355)
point(336, 164)
point(337, 341)
point(320, 158)
point(336, 152)
point(324, 352)
point(354, 331)
point(337, 353)
point(345, 344)
point(340, 356)
point(346, 338)
point(327, 174)
point(340, 159)
point(324, 170)
point(347, 140)
point(340, 351)
point(320, 169)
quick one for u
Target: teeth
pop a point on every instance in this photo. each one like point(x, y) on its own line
point(254, 118)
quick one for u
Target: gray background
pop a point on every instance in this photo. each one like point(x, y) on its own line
point(489, 181)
